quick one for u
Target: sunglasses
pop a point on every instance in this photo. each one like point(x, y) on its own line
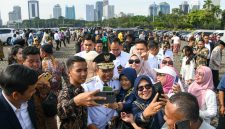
point(147, 87)
point(167, 62)
point(160, 74)
point(136, 61)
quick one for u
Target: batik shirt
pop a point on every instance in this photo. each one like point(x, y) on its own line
point(71, 116)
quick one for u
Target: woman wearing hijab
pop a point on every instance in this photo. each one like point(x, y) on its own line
point(141, 66)
point(145, 99)
point(202, 88)
point(166, 75)
point(125, 96)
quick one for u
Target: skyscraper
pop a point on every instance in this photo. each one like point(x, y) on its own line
point(184, 7)
point(195, 5)
point(17, 11)
point(164, 8)
point(90, 12)
point(70, 12)
point(153, 9)
point(216, 2)
point(15, 15)
point(57, 11)
point(99, 10)
point(33, 9)
point(111, 11)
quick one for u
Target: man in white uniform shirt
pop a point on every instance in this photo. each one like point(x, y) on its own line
point(121, 57)
point(99, 116)
point(88, 46)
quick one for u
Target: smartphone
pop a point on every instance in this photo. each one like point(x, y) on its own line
point(176, 80)
point(184, 124)
point(110, 97)
point(45, 76)
point(159, 90)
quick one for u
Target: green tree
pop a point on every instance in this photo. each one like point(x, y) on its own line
point(207, 4)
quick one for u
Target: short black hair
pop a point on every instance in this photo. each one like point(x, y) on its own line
point(18, 78)
point(187, 105)
point(153, 44)
point(139, 41)
point(89, 37)
point(71, 60)
point(47, 48)
point(98, 41)
point(116, 40)
point(30, 50)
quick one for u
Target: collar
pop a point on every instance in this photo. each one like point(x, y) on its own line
point(99, 80)
point(22, 106)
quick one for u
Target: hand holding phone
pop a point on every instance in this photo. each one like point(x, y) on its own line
point(45, 76)
point(110, 97)
point(159, 89)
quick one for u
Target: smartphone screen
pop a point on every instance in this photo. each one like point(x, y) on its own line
point(176, 80)
point(184, 124)
point(159, 89)
point(110, 97)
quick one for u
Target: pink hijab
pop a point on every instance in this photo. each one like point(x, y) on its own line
point(199, 90)
point(168, 84)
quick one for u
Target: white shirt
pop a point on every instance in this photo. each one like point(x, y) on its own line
point(161, 56)
point(187, 71)
point(209, 47)
point(209, 109)
point(153, 61)
point(56, 36)
point(122, 59)
point(21, 114)
point(81, 54)
point(99, 115)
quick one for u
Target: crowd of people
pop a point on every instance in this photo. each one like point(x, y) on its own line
point(40, 92)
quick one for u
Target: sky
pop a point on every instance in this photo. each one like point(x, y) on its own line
point(138, 7)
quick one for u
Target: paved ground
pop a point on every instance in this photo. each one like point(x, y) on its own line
point(65, 52)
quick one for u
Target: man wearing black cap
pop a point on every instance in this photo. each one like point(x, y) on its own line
point(99, 116)
point(215, 62)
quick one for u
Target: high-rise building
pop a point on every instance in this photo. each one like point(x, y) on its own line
point(164, 8)
point(33, 9)
point(90, 13)
point(70, 12)
point(105, 2)
point(12, 16)
point(99, 10)
point(216, 2)
point(153, 10)
point(111, 11)
point(195, 5)
point(17, 11)
point(57, 11)
point(184, 7)
point(108, 10)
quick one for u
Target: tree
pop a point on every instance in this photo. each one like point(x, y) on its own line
point(216, 11)
point(207, 4)
point(223, 20)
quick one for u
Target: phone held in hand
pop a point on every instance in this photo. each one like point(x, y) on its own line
point(159, 90)
point(184, 124)
point(110, 97)
point(45, 76)
point(176, 80)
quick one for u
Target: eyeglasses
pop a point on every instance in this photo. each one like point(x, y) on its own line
point(136, 61)
point(167, 62)
point(160, 74)
point(146, 86)
point(199, 74)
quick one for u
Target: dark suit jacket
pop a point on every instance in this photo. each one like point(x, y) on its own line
point(8, 119)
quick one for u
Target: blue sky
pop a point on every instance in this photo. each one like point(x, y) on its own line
point(138, 7)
